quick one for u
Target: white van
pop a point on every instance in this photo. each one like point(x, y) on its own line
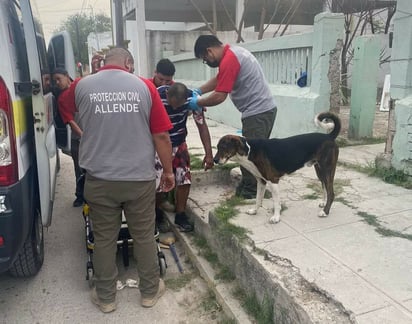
point(28, 152)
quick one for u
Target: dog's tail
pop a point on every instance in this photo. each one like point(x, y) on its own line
point(330, 122)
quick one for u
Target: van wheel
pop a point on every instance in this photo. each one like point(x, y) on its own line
point(31, 257)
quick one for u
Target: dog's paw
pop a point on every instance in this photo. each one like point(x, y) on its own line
point(274, 219)
point(322, 214)
point(251, 211)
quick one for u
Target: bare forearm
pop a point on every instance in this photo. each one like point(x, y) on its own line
point(163, 148)
point(209, 85)
point(205, 138)
point(75, 128)
point(207, 145)
point(214, 99)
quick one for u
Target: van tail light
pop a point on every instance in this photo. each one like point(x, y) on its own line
point(8, 154)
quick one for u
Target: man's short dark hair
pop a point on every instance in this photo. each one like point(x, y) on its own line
point(60, 70)
point(203, 42)
point(178, 90)
point(165, 67)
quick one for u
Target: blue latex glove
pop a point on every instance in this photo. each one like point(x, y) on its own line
point(193, 103)
point(198, 91)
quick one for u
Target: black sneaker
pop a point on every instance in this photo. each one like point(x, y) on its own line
point(183, 223)
point(78, 202)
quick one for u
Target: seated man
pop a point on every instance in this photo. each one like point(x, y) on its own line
point(175, 99)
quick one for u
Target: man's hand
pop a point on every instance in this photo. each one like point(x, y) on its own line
point(167, 182)
point(208, 162)
point(97, 61)
point(193, 103)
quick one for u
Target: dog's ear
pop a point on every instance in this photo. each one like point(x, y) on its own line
point(243, 146)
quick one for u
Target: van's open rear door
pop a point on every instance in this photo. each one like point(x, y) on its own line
point(42, 102)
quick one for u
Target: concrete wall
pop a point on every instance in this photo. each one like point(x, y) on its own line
point(401, 86)
point(365, 78)
point(162, 44)
point(296, 106)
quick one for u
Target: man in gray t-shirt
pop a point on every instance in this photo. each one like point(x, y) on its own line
point(124, 123)
point(241, 77)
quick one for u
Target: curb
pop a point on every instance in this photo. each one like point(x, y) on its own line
point(231, 306)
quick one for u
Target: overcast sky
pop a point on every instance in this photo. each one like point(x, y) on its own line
point(54, 12)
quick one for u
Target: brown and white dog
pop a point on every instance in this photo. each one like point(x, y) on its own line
point(269, 159)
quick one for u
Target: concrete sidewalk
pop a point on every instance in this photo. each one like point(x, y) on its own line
point(353, 266)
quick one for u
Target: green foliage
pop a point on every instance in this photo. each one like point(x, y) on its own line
point(392, 176)
point(224, 213)
point(210, 305)
point(79, 26)
point(196, 163)
point(345, 202)
point(373, 221)
point(227, 209)
point(228, 166)
point(389, 175)
point(344, 142)
point(178, 283)
point(317, 188)
point(263, 311)
point(223, 272)
point(206, 251)
point(311, 196)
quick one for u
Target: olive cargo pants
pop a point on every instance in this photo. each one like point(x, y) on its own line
point(257, 126)
point(107, 199)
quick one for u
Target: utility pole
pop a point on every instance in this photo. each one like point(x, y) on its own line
point(79, 52)
point(141, 54)
point(215, 27)
point(118, 10)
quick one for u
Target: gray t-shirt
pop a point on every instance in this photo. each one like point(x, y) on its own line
point(242, 77)
point(114, 114)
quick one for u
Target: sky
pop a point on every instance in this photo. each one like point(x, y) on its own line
point(54, 12)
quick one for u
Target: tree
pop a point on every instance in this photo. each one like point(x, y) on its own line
point(79, 26)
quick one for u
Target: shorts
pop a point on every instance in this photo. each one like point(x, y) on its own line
point(180, 164)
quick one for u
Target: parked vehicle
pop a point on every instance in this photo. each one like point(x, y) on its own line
point(28, 151)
